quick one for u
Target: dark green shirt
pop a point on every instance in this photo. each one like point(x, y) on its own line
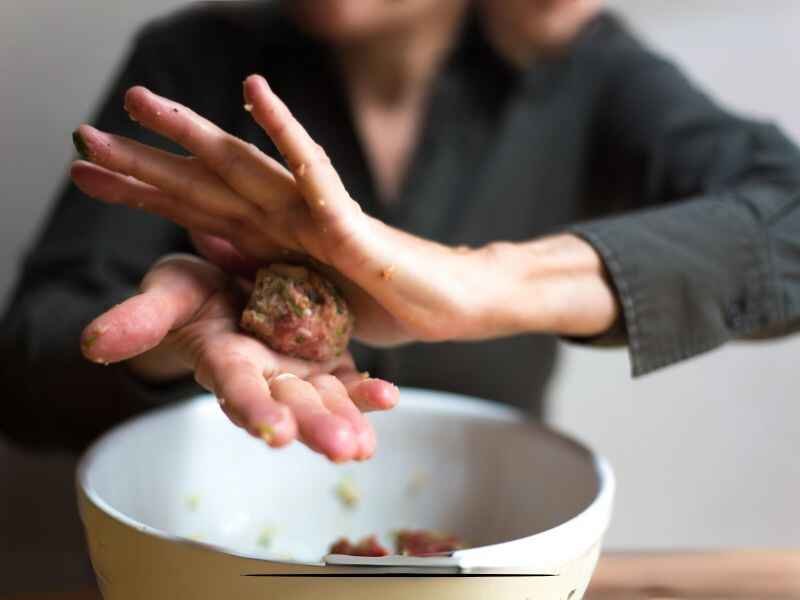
point(696, 211)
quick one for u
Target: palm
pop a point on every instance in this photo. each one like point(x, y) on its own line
point(188, 313)
point(374, 323)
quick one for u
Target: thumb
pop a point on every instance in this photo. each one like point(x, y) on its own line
point(172, 292)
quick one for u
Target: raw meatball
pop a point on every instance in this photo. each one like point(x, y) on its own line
point(298, 313)
point(369, 546)
point(422, 542)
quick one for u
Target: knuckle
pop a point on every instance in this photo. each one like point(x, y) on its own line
point(135, 167)
point(270, 370)
point(230, 165)
point(187, 187)
point(236, 227)
point(496, 251)
point(230, 162)
point(278, 126)
point(185, 133)
point(322, 156)
point(233, 363)
point(325, 380)
point(319, 160)
point(297, 384)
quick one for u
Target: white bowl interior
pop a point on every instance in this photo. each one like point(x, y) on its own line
point(462, 466)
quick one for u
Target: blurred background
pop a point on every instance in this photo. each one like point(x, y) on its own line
point(705, 452)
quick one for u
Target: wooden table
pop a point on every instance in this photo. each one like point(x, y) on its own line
point(758, 575)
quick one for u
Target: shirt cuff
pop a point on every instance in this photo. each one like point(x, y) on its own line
point(689, 277)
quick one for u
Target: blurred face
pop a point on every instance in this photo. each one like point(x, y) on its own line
point(342, 21)
point(540, 22)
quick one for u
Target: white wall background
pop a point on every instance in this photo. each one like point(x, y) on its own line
point(705, 452)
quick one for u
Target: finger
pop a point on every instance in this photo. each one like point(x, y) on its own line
point(235, 368)
point(243, 166)
point(114, 188)
point(184, 178)
point(334, 396)
point(317, 180)
point(305, 369)
point(225, 255)
point(321, 430)
point(172, 292)
point(369, 394)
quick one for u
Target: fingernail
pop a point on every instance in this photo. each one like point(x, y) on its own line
point(221, 401)
point(266, 432)
point(284, 377)
point(80, 145)
point(248, 107)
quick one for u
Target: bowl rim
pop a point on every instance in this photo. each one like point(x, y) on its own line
point(595, 516)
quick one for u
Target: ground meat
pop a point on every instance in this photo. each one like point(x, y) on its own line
point(348, 493)
point(407, 543)
point(369, 546)
point(422, 542)
point(298, 313)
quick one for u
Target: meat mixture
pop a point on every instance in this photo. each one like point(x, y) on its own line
point(408, 543)
point(297, 312)
point(369, 546)
point(422, 542)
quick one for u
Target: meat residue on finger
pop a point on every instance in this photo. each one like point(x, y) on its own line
point(388, 272)
point(299, 313)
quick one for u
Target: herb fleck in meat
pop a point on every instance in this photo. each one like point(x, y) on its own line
point(297, 312)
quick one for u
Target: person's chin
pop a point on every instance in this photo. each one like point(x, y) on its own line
point(338, 22)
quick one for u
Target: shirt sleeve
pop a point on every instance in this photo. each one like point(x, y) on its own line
point(705, 244)
point(88, 257)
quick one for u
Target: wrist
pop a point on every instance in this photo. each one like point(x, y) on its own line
point(557, 284)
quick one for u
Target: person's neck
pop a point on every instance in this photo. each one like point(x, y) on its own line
point(397, 69)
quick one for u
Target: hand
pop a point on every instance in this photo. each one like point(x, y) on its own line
point(400, 287)
point(185, 321)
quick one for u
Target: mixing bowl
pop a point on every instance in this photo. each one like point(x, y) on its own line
point(180, 504)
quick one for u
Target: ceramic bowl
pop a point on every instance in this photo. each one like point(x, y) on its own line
point(180, 504)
